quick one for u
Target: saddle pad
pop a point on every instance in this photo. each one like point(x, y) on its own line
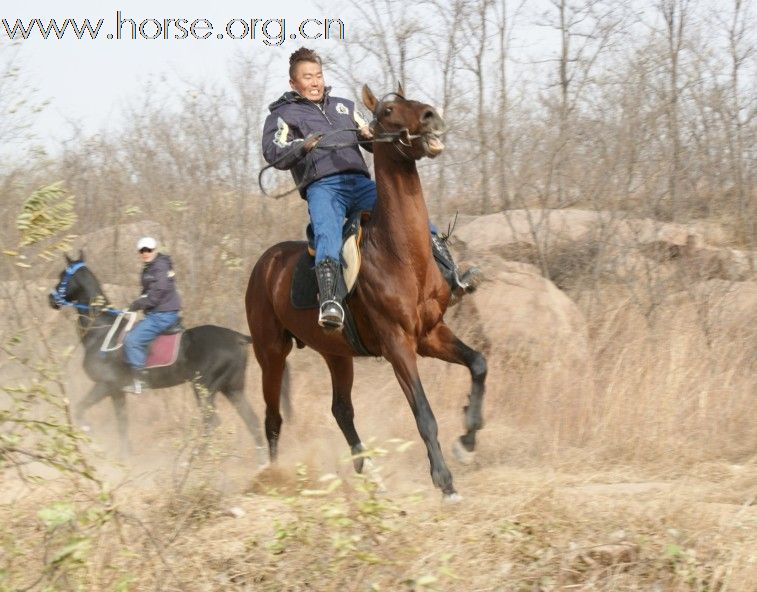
point(304, 290)
point(164, 350)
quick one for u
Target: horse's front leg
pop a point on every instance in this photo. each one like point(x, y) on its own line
point(401, 354)
point(442, 343)
point(97, 393)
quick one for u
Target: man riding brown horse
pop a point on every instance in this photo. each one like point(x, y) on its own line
point(397, 304)
point(334, 179)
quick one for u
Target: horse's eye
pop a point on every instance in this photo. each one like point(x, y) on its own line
point(387, 111)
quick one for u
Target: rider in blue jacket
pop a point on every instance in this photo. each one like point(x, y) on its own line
point(335, 182)
point(161, 304)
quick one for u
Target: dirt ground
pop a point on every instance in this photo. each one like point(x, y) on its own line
point(535, 514)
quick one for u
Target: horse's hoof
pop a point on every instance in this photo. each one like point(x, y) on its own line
point(452, 498)
point(359, 463)
point(374, 475)
point(463, 456)
point(262, 457)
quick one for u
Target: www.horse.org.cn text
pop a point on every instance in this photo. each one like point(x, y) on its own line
point(270, 31)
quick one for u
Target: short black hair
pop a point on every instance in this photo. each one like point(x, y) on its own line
point(302, 55)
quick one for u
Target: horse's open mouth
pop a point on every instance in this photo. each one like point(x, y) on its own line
point(433, 144)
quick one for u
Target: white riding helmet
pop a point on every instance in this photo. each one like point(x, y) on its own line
point(147, 242)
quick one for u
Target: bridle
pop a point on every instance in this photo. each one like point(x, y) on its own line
point(60, 297)
point(399, 138)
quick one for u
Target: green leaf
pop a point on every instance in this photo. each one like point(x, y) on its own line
point(672, 551)
point(45, 213)
point(425, 581)
point(75, 550)
point(57, 514)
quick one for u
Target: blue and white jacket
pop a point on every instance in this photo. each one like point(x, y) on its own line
point(293, 118)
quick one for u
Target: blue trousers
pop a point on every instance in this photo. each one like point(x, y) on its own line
point(330, 201)
point(137, 341)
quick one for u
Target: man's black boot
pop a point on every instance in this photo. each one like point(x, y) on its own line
point(459, 284)
point(331, 314)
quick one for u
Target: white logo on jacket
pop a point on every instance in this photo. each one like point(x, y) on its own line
point(342, 108)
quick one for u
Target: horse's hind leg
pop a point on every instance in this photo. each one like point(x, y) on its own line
point(271, 349)
point(245, 411)
point(442, 343)
point(205, 395)
point(342, 374)
point(122, 420)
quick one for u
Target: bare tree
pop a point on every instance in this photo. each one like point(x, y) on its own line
point(740, 48)
point(675, 14)
point(504, 24)
point(476, 27)
point(586, 31)
point(385, 43)
point(447, 56)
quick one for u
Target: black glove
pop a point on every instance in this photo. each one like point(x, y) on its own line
point(134, 306)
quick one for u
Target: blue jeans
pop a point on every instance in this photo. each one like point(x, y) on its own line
point(137, 341)
point(330, 201)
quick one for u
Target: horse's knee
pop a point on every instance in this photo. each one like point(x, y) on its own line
point(478, 368)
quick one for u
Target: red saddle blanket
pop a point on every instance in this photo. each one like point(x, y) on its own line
point(164, 350)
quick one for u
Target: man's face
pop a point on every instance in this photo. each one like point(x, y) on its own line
point(308, 81)
point(147, 255)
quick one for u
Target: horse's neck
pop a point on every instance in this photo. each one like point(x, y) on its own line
point(400, 217)
point(88, 323)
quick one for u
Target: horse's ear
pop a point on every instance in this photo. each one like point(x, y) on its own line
point(69, 261)
point(81, 254)
point(400, 90)
point(369, 99)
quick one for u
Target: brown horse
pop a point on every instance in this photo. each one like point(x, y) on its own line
point(398, 303)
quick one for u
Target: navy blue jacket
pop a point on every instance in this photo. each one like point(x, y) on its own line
point(158, 287)
point(293, 118)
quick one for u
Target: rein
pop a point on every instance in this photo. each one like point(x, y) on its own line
point(402, 137)
point(388, 137)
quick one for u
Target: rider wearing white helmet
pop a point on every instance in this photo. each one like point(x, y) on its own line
point(160, 302)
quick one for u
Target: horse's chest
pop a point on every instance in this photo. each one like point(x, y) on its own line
point(98, 367)
point(401, 303)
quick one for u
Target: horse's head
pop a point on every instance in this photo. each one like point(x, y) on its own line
point(77, 285)
point(414, 128)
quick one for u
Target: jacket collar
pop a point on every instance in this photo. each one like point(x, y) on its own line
point(292, 96)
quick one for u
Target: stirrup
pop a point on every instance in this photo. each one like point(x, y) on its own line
point(137, 387)
point(470, 280)
point(331, 315)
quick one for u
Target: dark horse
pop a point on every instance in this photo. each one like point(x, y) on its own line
point(213, 358)
point(398, 303)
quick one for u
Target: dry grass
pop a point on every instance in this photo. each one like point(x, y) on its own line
point(647, 484)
